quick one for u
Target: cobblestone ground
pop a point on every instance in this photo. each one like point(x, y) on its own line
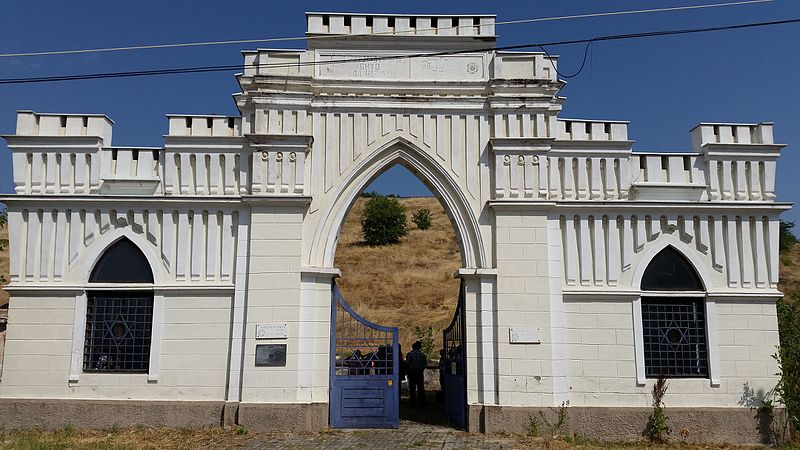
point(410, 435)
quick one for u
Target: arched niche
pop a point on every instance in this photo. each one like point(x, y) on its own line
point(669, 270)
point(122, 262)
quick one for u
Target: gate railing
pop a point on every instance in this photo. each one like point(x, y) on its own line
point(454, 338)
point(360, 347)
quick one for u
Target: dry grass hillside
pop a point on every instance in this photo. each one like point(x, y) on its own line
point(790, 272)
point(407, 284)
point(4, 264)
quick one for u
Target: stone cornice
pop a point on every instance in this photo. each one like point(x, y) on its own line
point(116, 200)
point(274, 200)
point(293, 142)
point(215, 142)
point(52, 143)
point(521, 144)
point(611, 147)
point(70, 289)
point(737, 151)
point(674, 206)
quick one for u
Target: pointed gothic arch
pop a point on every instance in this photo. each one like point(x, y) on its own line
point(400, 151)
point(669, 270)
point(82, 267)
point(689, 255)
point(122, 262)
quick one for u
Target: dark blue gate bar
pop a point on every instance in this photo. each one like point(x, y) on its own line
point(364, 373)
point(455, 380)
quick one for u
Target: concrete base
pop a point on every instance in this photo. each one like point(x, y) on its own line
point(696, 425)
point(620, 424)
point(99, 414)
point(290, 417)
point(230, 414)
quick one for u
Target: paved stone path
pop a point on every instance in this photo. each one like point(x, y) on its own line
point(410, 435)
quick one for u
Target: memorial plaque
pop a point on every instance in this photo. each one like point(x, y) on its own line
point(271, 331)
point(271, 355)
point(373, 67)
point(524, 335)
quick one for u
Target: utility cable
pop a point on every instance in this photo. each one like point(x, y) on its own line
point(393, 33)
point(542, 46)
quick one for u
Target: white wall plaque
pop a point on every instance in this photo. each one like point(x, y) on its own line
point(271, 331)
point(525, 335)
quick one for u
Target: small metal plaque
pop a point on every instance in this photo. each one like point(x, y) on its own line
point(525, 335)
point(271, 331)
point(271, 355)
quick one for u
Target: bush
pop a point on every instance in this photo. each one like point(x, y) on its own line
point(788, 358)
point(383, 221)
point(422, 219)
point(786, 240)
point(657, 428)
point(425, 337)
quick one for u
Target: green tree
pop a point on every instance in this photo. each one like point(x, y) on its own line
point(786, 239)
point(422, 218)
point(383, 221)
point(3, 221)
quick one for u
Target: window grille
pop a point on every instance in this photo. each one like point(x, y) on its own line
point(674, 337)
point(118, 332)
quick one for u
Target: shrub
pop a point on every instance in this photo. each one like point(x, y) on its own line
point(788, 357)
point(786, 240)
point(532, 427)
point(422, 219)
point(657, 428)
point(383, 221)
point(425, 336)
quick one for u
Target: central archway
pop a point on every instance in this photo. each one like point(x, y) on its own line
point(431, 173)
point(453, 197)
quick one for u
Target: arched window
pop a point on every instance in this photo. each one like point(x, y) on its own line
point(122, 262)
point(673, 318)
point(119, 314)
point(670, 271)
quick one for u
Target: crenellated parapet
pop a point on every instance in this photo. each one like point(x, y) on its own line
point(58, 153)
point(594, 160)
point(740, 160)
point(374, 25)
point(203, 155)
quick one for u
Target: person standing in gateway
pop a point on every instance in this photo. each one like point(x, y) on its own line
point(416, 361)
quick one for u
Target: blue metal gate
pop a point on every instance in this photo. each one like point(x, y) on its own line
point(455, 380)
point(364, 370)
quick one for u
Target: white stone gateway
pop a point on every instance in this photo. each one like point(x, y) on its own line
point(140, 276)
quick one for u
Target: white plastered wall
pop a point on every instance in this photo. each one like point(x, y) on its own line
point(601, 355)
point(528, 374)
point(274, 296)
point(190, 253)
point(604, 343)
point(193, 358)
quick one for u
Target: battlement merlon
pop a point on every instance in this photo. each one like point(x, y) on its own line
point(721, 138)
point(31, 123)
point(399, 25)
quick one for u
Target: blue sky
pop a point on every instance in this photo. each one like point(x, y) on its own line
point(664, 86)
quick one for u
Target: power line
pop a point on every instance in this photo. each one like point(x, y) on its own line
point(542, 46)
point(394, 33)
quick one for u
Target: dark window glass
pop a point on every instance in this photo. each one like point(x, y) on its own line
point(674, 338)
point(122, 262)
point(670, 271)
point(118, 332)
